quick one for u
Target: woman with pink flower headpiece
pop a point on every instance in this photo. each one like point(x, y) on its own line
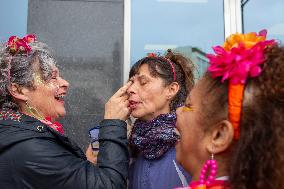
point(234, 138)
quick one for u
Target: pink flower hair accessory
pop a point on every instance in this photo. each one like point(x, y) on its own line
point(241, 56)
point(18, 45)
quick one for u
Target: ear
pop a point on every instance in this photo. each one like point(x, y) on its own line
point(173, 89)
point(221, 137)
point(19, 93)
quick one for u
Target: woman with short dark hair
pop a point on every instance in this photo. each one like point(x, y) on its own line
point(160, 85)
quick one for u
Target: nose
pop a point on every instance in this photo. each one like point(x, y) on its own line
point(63, 83)
point(132, 89)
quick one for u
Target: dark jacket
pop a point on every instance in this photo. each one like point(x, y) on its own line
point(34, 156)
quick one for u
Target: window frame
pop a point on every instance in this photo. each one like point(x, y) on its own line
point(232, 24)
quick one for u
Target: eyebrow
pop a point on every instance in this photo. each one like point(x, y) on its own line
point(141, 77)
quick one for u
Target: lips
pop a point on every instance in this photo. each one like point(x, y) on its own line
point(133, 104)
point(60, 97)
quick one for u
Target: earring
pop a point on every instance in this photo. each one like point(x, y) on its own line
point(34, 113)
point(212, 163)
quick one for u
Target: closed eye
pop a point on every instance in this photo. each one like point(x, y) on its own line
point(143, 82)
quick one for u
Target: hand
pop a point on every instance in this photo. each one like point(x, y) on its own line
point(117, 106)
point(91, 155)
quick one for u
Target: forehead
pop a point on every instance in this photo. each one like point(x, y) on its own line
point(143, 70)
point(44, 68)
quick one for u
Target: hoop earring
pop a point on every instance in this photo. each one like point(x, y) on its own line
point(211, 163)
point(33, 111)
point(203, 181)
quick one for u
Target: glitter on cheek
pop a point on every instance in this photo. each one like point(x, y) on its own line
point(38, 80)
point(53, 85)
point(187, 109)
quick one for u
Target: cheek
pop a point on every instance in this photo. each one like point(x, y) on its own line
point(52, 87)
point(188, 134)
point(153, 96)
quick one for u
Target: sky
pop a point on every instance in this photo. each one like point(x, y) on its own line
point(267, 15)
point(13, 14)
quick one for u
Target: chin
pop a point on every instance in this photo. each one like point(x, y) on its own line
point(62, 114)
point(178, 154)
point(178, 157)
point(136, 114)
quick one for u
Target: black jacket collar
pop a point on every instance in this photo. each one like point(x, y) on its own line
point(12, 132)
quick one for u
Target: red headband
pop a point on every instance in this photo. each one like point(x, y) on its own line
point(168, 60)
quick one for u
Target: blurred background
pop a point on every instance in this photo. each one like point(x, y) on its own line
point(96, 41)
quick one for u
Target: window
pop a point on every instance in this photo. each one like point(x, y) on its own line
point(191, 27)
point(263, 14)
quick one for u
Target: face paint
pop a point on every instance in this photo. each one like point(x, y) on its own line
point(48, 96)
point(37, 79)
point(185, 108)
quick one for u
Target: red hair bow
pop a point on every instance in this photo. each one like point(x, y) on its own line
point(152, 55)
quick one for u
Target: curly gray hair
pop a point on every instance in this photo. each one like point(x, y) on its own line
point(18, 68)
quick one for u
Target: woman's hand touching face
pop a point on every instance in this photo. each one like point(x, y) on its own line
point(117, 106)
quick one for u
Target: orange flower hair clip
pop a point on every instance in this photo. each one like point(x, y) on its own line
point(240, 57)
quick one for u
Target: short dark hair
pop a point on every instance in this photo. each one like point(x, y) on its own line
point(160, 66)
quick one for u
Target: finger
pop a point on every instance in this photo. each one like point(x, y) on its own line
point(124, 97)
point(125, 103)
point(123, 89)
point(132, 78)
point(126, 111)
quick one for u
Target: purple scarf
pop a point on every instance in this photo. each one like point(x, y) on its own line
point(154, 138)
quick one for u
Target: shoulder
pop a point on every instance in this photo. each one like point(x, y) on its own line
point(13, 133)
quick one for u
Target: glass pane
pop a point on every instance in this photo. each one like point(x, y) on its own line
point(191, 27)
point(87, 39)
point(263, 14)
point(13, 14)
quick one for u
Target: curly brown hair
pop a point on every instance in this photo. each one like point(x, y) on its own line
point(257, 158)
point(160, 67)
point(258, 161)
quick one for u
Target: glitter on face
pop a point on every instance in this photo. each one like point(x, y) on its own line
point(187, 109)
point(37, 79)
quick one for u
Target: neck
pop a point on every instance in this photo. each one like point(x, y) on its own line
point(153, 116)
point(33, 112)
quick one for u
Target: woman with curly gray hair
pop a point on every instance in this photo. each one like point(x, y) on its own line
point(34, 153)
